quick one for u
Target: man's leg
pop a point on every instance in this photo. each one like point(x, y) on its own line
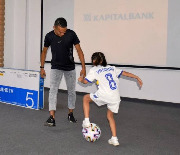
point(70, 78)
point(55, 78)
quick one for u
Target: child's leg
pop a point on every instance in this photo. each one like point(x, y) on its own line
point(110, 117)
point(86, 100)
point(86, 108)
point(113, 140)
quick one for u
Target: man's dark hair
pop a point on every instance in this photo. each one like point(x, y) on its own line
point(99, 59)
point(60, 22)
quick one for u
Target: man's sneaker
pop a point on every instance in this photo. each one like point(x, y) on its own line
point(113, 141)
point(71, 118)
point(50, 121)
point(86, 124)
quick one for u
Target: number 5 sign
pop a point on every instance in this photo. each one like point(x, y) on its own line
point(29, 98)
point(22, 88)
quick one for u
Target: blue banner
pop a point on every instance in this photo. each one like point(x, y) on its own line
point(20, 97)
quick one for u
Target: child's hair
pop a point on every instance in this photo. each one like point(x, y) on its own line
point(98, 58)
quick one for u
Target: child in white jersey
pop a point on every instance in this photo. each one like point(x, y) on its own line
point(107, 93)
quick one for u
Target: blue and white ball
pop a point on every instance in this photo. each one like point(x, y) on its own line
point(92, 133)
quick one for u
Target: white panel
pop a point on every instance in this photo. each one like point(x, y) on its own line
point(158, 85)
point(19, 78)
point(19, 34)
point(33, 34)
point(9, 33)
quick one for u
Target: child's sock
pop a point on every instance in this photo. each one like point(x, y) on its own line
point(86, 119)
point(113, 137)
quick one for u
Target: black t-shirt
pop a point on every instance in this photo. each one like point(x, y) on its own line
point(62, 49)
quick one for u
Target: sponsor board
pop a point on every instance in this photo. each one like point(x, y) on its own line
point(22, 88)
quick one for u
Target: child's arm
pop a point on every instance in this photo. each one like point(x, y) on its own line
point(82, 80)
point(133, 76)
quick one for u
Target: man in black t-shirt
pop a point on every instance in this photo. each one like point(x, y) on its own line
point(61, 41)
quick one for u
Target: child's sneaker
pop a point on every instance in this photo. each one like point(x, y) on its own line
point(86, 124)
point(50, 121)
point(113, 141)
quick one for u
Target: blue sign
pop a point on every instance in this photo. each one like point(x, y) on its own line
point(18, 96)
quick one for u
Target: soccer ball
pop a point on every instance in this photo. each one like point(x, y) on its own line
point(92, 133)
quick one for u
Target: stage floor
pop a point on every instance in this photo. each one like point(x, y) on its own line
point(142, 128)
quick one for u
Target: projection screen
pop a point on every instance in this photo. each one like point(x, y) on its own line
point(135, 32)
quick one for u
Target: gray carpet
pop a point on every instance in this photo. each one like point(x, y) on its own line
point(143, 128)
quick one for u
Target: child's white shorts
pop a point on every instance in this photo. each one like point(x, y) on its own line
point(114, 107)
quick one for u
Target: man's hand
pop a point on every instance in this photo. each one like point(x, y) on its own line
point(81, 79)
point(43, 73)
point(83, 73)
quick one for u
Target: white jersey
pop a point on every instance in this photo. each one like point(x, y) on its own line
point(108, 89)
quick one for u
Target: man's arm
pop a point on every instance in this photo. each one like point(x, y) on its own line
point(133, 76)
point(43, 58)
point(81, 57)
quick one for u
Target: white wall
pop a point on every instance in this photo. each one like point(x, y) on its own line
point(158, 85)
point(15, 33)
point(22, 50)
point(9, 34)
point(33, 34)
point(22, 34)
